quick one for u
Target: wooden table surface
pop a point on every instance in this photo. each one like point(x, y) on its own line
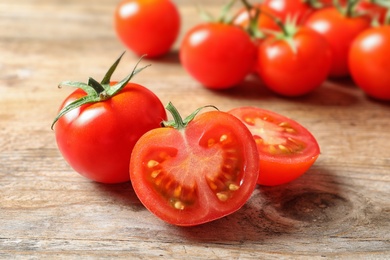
point(339, 209)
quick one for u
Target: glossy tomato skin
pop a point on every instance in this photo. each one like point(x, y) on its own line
point(375, 11)
point(147, 26)
point(297, 10)
point(339, 30)
point(198, 174)
point(369, 62)
point(294, 71)
point(286, 148)
point(217, 55)
point(263, 21)
point(97, 139)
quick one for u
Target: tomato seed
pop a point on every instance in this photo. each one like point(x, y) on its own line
point(258, 140)
point(223, 138)
point(178, 205)
point(249, 120)
point(210, 142)
point(222, 196)
point(284, 148)
point(152, 163)
point(155, 173)
point(227, 176)
point(285, 124)
point(164, 155)
point(272, 149)
point(233, 187)
point(290, 130)
point(177, 191)
point(212, 185)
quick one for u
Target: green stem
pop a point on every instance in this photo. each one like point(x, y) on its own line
point(314, 4)
point(95, 91)
point(351, 4)
point(278, 21)
point(178, 120)
point(337, 5)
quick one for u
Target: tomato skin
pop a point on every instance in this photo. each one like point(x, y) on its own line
point(281, 160)
point(369, 62)
point(263, 21)
point(339, 31)
point(375, 11)
point(291, 9)
point(188, 160)
point(217, 55)
point(96, 139)
point(296, 72)
point(147, 26)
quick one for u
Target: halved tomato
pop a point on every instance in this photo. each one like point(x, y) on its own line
point(196, 170)
point(286, 148)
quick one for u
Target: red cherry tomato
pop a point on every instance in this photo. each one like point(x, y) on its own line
point(369, 62)
point(218, 55)
point(286, 149)
point(375, 11)
point(147, 26)
point(195, 173)
point(296, 65)
point(96, 139)
point(291, 9)
point(264, 21)
point(339, 30)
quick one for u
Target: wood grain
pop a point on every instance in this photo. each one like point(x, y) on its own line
point(339, 209)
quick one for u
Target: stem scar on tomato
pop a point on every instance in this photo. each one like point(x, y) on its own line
point(97, 92)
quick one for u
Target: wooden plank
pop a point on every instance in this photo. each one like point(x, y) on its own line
point(339, 209)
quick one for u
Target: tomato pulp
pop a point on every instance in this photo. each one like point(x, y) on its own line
point(196, 174)
point(286, 149)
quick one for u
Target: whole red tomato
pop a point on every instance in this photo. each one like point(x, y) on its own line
point(296, 64)
point(369, 62)
point(96, 132)
point(147, 26)
point(218, 55)
point(339, 30)
point(286, 148)
point(196, 170)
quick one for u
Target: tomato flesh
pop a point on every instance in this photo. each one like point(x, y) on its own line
point(198, 174)
point(286, 149)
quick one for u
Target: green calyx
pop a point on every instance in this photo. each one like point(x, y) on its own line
point(287, 34)
point(385, 4)
point(350, 8)
point(178, 122)
point(223, 17)
point(97, 92)
point(314, 4)
point(287, 29)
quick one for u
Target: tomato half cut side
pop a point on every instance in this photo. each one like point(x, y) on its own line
point(197, 174)
point(286, 148)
